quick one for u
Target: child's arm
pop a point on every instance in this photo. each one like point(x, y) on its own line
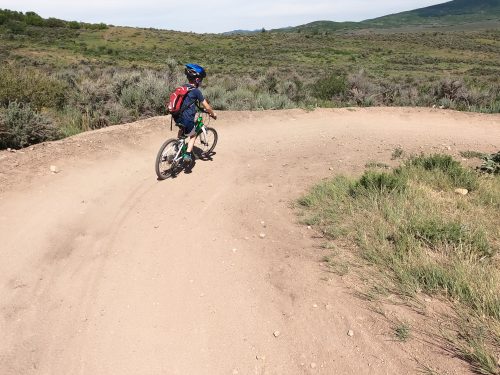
point(209, 109)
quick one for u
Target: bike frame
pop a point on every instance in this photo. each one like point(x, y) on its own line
point(199, 128)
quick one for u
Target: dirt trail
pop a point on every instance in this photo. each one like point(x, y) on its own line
point(107, 271)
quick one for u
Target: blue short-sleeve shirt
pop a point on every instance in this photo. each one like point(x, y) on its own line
point(188, 114)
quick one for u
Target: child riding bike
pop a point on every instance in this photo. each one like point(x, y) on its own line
point(185, 119)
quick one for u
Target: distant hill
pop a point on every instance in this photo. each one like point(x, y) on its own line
point(454, 12)
point(242, 32)
point(458, 7)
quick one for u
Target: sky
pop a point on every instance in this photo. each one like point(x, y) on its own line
point(213, 16)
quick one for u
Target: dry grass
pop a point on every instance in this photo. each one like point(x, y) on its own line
point(425, 238)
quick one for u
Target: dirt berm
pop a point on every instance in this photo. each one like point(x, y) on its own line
point(106, 270)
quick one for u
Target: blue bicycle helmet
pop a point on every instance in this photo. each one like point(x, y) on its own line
point(194, 71)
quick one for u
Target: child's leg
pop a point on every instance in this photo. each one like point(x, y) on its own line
point(190, 146)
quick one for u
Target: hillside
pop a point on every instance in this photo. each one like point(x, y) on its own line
point(452, 13)
point(449, 13)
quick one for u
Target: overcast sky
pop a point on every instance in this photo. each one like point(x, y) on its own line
point(213, 15)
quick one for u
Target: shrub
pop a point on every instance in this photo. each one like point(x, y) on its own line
point(74, 25)
point(16, 27)
point(217, 96)
point(491, 164)
point(33, 19)
point(293, 89)
point(453, 89)
point(361, 89)
point(327, 88)
point(122, 80)
point(264, 101)
point(54, 22)
point(31, 86)
point(21, 126)
point(269, 82)
point(241, 99)
point(148, 96)
point(92, 94)
point(116, 113)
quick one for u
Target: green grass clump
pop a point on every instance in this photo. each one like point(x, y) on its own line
point(373, 182)
point(402, 331)
point(456, 235)
point(446, 173)
point(411, 225)
point(397, 153)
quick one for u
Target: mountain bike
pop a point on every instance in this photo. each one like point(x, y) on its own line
point(170, 161)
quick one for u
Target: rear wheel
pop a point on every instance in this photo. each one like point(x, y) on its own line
point(165, 165)
point(206, 143)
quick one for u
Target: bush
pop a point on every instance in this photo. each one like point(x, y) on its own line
point(92, 94)
point(21, 126)
point(293, 89)
point(74, 25)
point(122, 80)
point(148, 96)
point(362, 90)
point(330, 87)
point(241, 99)
point(491, 164)
point(16, 27)
point(116, 113)
point(452, 89)
point(54, 22)
point(32, 87)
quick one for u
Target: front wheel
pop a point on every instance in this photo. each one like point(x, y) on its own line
point(165, 165)
point(206, 143)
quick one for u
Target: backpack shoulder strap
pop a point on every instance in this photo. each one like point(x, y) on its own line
point(190, 88)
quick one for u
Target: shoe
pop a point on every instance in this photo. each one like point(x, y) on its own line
point(187, 158)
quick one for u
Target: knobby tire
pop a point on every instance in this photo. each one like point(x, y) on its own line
point(161, 160)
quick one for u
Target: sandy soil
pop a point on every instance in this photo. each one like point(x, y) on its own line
point(106, 270)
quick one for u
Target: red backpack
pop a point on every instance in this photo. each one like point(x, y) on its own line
point(174, 106)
